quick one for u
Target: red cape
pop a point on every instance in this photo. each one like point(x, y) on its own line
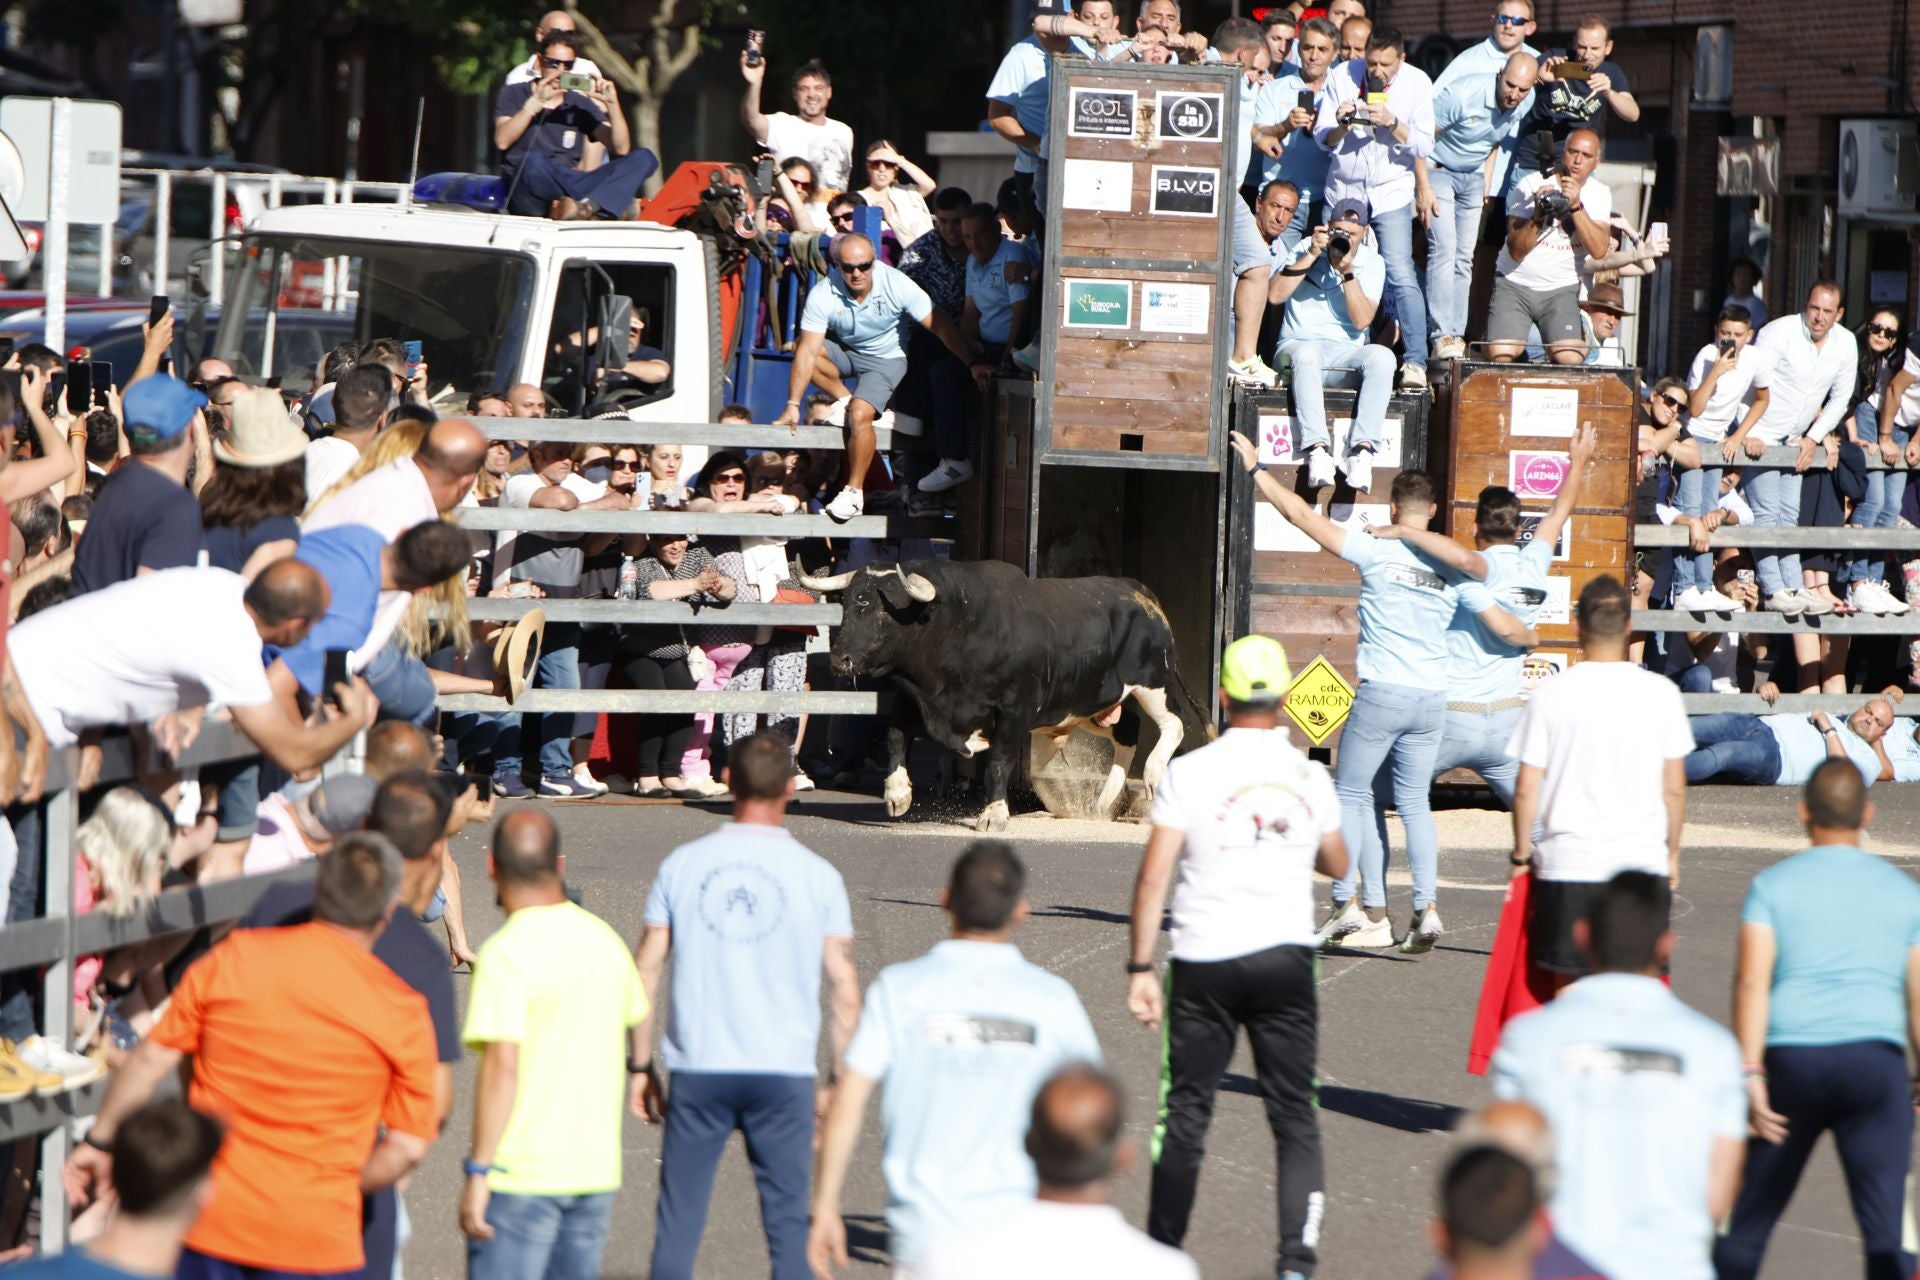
point(1512, 986)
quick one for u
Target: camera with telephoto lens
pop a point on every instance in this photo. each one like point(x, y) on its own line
point(1339, 244)
point(1548, 199)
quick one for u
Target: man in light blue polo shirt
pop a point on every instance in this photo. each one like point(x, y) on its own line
point(1474, 118)
point(1642, 1092)
point(1512, 24)
point(1286, 149)
point(1332, 293)
point(1399, 713)
point(851, 326)
point(1484, 667)
point(1822, 1017)
point(1017, 111)
point(961, 1039)
point(1784, 749)
point(750, 917)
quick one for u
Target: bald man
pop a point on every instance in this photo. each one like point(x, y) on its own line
point(527, 400)
point(551, 21)
point(1077, 1143)
point(851, 328)
point(1354, 34)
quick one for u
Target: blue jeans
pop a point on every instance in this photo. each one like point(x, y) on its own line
point(1697, 493)
point(1393, 232)
point(1774, 494)
point(1451, 239)
point(199, 1266)
point(775, 1115)
point(1733, 747)
point(1881, 507)
point(401, 682)
point(542, 1238)
point(1697, 678)
point(1312, 360)
point(546, 737)
point(1402, 726)
point(1477, 740)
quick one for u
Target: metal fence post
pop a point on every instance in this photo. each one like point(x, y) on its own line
point(162, 231)
point(63, 813)
point(217, 252)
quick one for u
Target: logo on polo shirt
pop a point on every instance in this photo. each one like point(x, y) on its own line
point(976, 1031)
point(1417, 577)
point(741, 902)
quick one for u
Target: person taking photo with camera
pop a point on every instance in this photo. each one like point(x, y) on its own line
point(1556, 218)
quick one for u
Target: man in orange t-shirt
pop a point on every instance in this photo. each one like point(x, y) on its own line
point(304, 1045)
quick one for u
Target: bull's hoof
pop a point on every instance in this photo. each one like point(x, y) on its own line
point(993, 817)
point(898, 793)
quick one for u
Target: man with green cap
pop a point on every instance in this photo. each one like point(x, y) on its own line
point(1246, 820)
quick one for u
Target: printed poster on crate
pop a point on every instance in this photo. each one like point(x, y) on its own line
point(1187, 117)
point(1541, 664)
point(1544, 411)
point(1175, 308)
point(1533, 473)
point(1530, 525)
point(1558, 609)
point(1279, 446)
point(1271, 532)
point(1102, 186)
point(1101, 113)
point(1097, 304)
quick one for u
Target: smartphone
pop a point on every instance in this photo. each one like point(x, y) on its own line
point(755, 40)
point(478, 771)
point(56, 387)
point(1573, 71)
point(335, 673)
point(79, 387)
point(102, 378)
point(1305, 101)
point(574, 82)
point(6, 350)
point(413, 357)
point(1658, 231)
point(1725, 344)
point(157, 308)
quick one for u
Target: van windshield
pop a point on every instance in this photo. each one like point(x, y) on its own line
point(467, 307)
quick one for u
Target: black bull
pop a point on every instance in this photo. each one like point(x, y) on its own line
point(985, 655)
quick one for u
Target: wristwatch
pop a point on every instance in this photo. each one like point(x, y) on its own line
point(1139, 968)
point(639, 1068)
point(1346, 277)
point(93, 1140)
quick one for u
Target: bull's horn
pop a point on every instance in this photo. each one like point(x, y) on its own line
point(917, 587)
point(835, 583)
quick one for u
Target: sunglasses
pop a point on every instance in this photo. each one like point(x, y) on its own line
point(845, 215)
point(1672, 403)
point(769, 481)
point(799, 185)
point(1509, 20)
point(626, 466)
point(731, 477)
point(558, 64)
point(867, 265)
point(881, 164)
point(1884, 331)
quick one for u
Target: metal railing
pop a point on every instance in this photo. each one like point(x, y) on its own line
point(59, 937)
point(677, 612)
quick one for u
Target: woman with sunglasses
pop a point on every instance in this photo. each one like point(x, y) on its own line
point(1663, 447)
point(617, 471)
point(722, 487)
point(778, 661)
point(902, 208)
point(654, 656)
point(1881, 356)
point(794, 205)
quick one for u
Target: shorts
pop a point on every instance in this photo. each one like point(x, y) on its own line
point(1554, 906)
point(1513, 310)
point(1249, 250)
point(879, 379)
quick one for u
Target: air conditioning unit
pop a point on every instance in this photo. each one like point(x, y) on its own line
point(1879, 168)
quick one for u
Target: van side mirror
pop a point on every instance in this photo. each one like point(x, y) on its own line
point(614, 318)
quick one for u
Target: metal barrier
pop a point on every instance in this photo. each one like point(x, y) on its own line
point(58, 937)
point(675, 612)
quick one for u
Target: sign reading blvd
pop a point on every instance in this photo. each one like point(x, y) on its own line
point(1318, 700)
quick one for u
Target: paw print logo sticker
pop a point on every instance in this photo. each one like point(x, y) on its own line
point(1276, 439)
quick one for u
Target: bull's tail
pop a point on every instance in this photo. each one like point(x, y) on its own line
point(1192, 709)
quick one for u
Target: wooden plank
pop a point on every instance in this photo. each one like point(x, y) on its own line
point(1185, 443)
point(1158, 385)
point(1112, 235)
point(1145, 417)
point(1131, 349)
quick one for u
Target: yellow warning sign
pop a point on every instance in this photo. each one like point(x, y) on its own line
point(1318, 700)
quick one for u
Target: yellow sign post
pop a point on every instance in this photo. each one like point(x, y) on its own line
point(1318, 700)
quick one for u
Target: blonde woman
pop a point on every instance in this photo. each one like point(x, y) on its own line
point(119, 856)
point(902, 207)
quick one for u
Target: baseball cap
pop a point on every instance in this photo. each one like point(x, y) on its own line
point(1254, 669)
point(337, 806)
point(159, 406)
point(1349, 210)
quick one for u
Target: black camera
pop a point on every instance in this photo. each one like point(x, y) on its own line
point(1551, 202)
point(1339, 244)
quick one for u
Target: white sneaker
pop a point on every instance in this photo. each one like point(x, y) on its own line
point(1253, 371)
point(74, 1069)
point(1319, 467)
point(1423, 933)
point(1413, 377)
point(801, 782)
point(1873, 597)
point(1374, 934)
point(1341, 923)
point(1787, 602)
point(1449, 348)
point(1702, 600)
point(1812, 604)
point(847, 504)
point(584, 776)
point(837, 415)
point(1359, 470)
point(945, 476)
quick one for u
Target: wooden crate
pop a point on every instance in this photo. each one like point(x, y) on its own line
point(1136, 306)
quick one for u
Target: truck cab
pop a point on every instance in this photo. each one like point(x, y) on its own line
point(494, 299)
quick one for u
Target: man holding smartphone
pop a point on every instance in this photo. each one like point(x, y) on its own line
point(543, 129)
point(1578, 90)
point(1284, 111)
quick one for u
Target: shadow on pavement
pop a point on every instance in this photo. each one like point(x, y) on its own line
point(1408, 1115)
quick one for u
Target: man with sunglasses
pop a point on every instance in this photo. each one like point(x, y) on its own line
point(851, 326)
point(1512, 24)
point(543, 132)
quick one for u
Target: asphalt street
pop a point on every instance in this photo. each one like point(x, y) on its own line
point(1394, 1029)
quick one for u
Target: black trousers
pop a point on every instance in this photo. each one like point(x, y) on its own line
point(1272, 994)
point(663, 735)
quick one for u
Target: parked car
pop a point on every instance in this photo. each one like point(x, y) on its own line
point(191, 224)
point(301, 338)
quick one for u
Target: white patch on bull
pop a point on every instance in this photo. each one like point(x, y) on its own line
point(1154, 703)
point(993, 817)
point(976, 743)
point(898, 790)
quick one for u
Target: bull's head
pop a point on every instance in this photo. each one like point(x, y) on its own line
point(878, 601)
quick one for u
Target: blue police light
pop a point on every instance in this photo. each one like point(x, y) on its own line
point(482, 192)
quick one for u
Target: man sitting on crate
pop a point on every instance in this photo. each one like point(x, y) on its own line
point(551, 137)
point(1332, 293)
point(851, 326)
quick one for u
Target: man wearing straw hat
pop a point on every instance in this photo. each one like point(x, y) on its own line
point(1246, 820)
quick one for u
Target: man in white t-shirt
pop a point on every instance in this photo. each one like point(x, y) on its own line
point(1078, 1147)
point(361, 401)
point(1555, 222)
point(551, 22)
point(825, 144)
point(1727, 385)
point(178, 640)
point(1245, 820)
point(1602, 749)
